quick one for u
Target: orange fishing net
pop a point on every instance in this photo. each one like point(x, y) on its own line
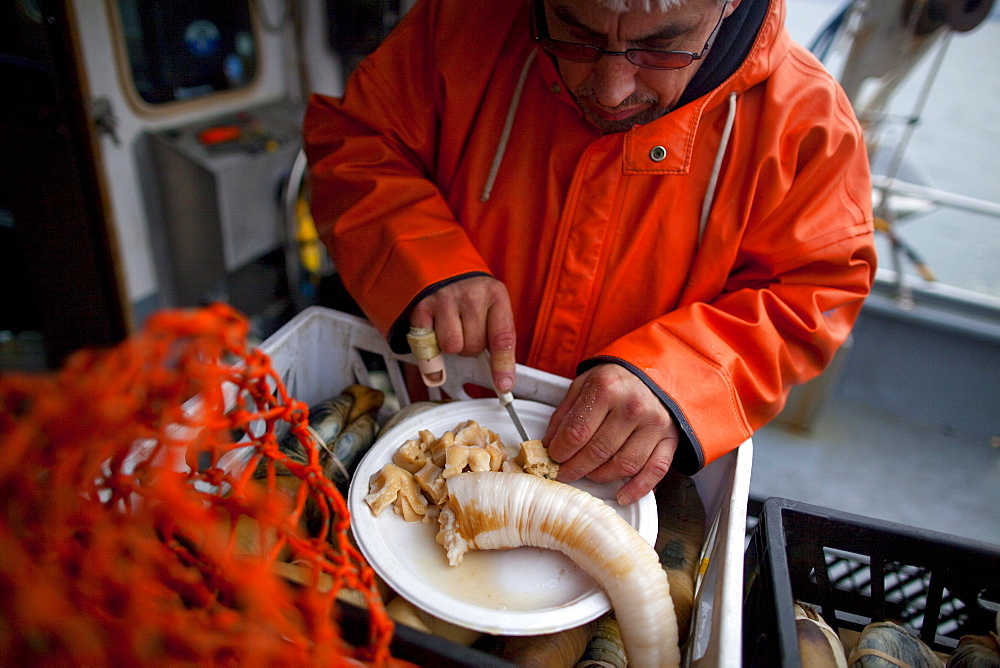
point(120, 532)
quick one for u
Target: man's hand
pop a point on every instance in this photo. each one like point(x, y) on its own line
point(611, 426)
point(470, 316)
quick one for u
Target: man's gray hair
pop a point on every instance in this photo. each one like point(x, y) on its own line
point(646, 5)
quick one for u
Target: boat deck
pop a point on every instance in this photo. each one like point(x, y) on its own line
point(862, 460)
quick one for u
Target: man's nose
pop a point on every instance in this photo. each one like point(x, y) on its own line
point(614, 79)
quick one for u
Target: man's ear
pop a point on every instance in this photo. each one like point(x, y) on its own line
point(732, 7)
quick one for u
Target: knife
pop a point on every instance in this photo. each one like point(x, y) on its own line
point(506, 398)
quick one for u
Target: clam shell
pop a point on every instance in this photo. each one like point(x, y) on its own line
point(976, 652)
point(819, 645)
point(550, 650)
point(892, 640)
point(605, 647)
point(346, 451)
point(326, 420)
point(679, 541)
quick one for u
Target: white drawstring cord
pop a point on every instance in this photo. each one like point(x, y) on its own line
point(706, 205)
point(508, 123)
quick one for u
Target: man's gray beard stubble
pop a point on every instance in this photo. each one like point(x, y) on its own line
point(586, 99)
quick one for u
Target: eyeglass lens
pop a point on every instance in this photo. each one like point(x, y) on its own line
point(585, 53)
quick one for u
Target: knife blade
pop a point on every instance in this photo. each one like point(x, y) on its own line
point(507, 401)
point(506, 398)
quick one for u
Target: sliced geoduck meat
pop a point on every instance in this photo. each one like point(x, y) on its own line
point(493, 511)
point(396, 487)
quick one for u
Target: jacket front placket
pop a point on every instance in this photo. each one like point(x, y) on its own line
point(600, 200)
point(587, 227)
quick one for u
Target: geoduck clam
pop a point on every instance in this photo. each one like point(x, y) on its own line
point(494, 510)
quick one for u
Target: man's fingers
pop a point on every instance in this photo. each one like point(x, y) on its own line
point(610, 427)
point(469, 316)
point(580, 416)
point(500, 331)
point(503, 366)
point(630, 458)
point(556, 420)
point(600, 450)
point(655, 468)
point(451, 337)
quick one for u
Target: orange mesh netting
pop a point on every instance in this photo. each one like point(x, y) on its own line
point(123, 539)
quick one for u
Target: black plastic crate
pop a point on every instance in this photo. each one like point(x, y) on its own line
point(415, 646)
point(855, 570)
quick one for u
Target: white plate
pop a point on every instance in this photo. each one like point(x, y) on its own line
point(524, 591)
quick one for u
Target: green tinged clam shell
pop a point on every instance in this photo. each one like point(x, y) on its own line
point(328, 418)
point(679, 542)
point(605, 647)
point(326, 421)
point(348, 448)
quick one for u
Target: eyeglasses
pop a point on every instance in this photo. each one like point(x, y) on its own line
point(652, 59)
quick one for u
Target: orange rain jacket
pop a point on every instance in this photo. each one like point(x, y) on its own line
point(456, 150)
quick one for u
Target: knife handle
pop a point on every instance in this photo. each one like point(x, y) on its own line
point(505, 397)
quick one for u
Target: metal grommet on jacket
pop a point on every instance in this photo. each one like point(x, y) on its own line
point(657, 153)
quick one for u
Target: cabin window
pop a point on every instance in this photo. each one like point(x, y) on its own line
point(177, 50)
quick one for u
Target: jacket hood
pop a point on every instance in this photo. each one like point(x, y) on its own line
point(737, 36)
point(769, 47)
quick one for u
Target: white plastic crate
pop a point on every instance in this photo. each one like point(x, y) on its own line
point(321, 351)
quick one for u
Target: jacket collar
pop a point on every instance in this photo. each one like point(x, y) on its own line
point(675, 132)
point(737, 35)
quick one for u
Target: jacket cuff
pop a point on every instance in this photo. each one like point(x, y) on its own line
point(401, 325)
point(689, 458)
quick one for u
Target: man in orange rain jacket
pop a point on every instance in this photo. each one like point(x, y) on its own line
point(671, 204)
